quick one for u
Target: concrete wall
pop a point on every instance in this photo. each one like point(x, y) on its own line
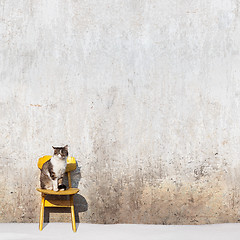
point(147, 95)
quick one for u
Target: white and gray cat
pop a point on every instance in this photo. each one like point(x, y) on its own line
point(53, 170)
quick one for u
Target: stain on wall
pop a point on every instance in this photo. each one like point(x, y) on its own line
point(146, 93)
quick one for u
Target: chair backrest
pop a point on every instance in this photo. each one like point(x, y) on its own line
point(71, 162)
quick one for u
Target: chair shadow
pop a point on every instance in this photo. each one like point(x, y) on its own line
point(80, 203)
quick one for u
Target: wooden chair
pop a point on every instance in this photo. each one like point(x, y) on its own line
point(71, 165)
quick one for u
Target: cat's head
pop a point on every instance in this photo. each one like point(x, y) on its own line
point(61, 152)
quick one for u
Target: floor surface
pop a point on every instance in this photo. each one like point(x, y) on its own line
point(27, 231)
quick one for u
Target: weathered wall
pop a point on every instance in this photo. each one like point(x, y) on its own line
point(147, 95)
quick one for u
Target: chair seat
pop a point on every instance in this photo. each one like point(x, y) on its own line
point(70, 191)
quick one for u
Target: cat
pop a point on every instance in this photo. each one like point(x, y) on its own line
point(53, 170)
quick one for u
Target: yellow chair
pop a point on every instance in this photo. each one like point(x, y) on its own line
point(71, 165)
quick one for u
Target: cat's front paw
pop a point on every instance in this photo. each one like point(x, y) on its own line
point(55, 189)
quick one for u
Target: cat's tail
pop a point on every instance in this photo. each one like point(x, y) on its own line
point(62, 187)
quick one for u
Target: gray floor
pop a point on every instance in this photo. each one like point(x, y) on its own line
point(25, 231)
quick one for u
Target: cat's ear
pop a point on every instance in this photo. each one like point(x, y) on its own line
point(53, 147)
point(66, 147)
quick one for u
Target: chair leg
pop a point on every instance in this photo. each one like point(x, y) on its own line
point(42, 212)
point(72, 214)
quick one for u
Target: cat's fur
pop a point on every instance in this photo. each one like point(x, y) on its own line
point(53, 170)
